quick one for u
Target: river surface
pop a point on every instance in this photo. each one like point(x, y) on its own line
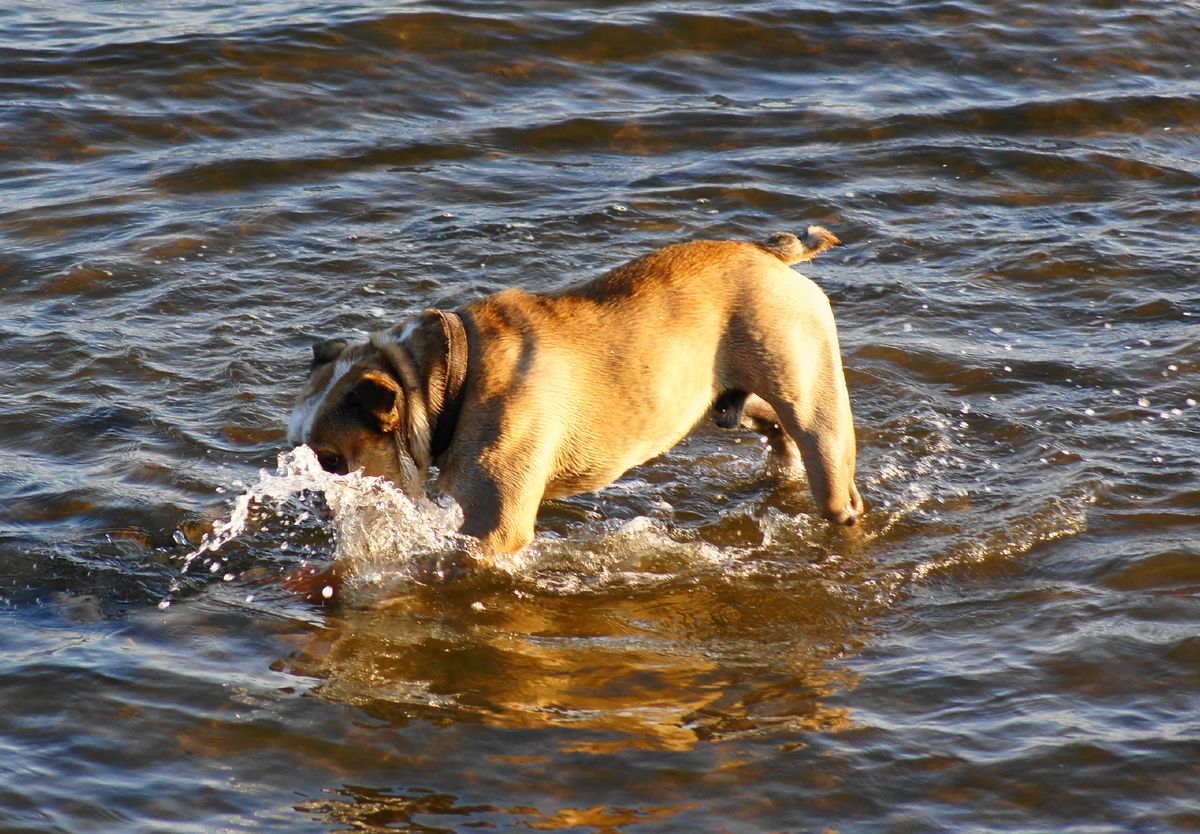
point(193, 192)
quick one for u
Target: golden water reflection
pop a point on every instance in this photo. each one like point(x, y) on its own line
point(365, 809)
point(665, 668)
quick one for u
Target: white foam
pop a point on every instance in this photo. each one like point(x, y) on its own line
point(380, 535)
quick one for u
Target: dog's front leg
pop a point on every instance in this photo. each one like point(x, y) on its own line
point(498, 511)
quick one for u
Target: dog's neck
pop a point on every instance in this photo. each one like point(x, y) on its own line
point(429, 357)
point(454, 382)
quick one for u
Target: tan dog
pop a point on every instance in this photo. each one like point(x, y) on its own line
point(519, 397)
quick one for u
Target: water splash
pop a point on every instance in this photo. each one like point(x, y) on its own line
point(1053, 519)
point(635, 553)
point(381, 537)
point(382, 541)
point(929, 480)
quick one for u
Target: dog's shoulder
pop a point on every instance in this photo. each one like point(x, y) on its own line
point(507, 309)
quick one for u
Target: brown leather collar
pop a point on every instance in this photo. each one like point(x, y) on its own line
point(456, 377)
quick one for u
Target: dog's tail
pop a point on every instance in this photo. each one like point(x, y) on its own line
point(794, 250)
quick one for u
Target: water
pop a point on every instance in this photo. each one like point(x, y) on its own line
point(1009, 642)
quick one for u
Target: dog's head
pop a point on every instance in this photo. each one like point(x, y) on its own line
point(356, 413)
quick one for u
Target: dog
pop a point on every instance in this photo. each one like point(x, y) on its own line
point(520, 397)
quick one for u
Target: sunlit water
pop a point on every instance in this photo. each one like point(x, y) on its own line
point(1008, 641)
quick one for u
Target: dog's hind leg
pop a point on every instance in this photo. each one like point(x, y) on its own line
point(797, 370)
point(727, 412)
point(827, 449)
point(783, 454)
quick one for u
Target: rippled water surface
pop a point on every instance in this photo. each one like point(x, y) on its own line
point(1010, 641)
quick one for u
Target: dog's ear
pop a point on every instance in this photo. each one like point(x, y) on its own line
point(326, 351)
point(378, 395)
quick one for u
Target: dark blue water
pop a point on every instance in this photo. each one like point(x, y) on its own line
point(1009, 642)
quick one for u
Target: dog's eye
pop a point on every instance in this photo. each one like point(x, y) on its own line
point(332, 462)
